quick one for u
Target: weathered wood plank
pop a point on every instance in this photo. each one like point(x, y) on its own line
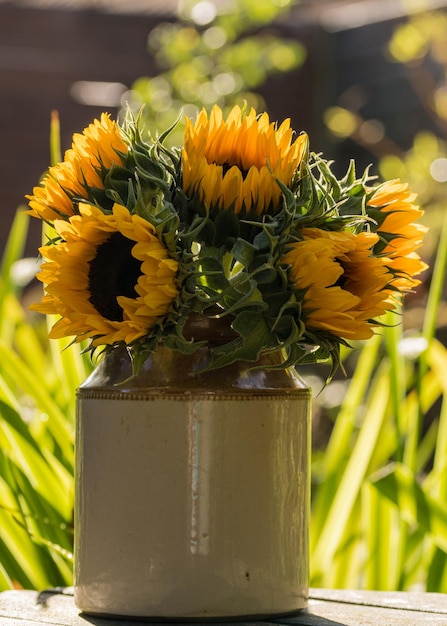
point(326, 608)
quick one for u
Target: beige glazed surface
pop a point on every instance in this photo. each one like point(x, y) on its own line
point(191, 503)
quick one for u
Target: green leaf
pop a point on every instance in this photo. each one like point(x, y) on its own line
point(347, 487)
point(244, 252)
point(13, 251)
point(253, 333)
point(416, 505)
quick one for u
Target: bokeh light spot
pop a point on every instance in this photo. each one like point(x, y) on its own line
point(438, 170)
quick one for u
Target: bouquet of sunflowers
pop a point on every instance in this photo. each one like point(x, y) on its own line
point(243, 221)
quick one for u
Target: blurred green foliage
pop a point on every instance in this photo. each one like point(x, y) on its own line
point(37, 416)
point(214, 54)
point(419, 45)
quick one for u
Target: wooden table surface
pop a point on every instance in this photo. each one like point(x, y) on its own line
point(327, 607)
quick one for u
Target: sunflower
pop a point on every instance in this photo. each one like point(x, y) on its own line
point(110, 278)
point(397, 228)
point(343, 286)
point(235, 163)
point(98, 148)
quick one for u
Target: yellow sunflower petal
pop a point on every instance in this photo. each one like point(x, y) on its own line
point(110, 279)
point(403, 235)
point(99, 146)
point(344, 286)
point(219, 155)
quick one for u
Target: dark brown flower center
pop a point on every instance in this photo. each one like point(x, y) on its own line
point(341, 280)
point(227, 166)
point(113, 272)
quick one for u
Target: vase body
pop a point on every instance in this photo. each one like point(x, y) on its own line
point(192, 491)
